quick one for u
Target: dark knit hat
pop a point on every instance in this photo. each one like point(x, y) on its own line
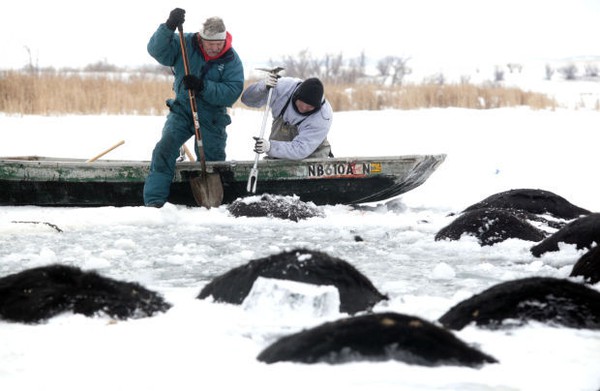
point(310, 91)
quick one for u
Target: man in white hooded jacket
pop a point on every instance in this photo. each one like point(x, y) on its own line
point(301, 117)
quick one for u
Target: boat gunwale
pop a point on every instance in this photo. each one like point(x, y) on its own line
point(186, 164)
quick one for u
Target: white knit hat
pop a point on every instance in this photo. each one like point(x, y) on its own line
point(213, 29)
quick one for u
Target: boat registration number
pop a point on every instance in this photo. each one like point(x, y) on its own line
point(343, 169)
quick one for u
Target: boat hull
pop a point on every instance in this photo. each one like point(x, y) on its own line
point(44, 181)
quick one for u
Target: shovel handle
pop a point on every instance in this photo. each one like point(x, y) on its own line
point(193, 105)
point(98, 156)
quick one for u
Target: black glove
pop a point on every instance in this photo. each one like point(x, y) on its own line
point(176, 18)
point(191, 82)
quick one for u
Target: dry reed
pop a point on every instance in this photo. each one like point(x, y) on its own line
point(145, 94)
point(411, 96)
point(64, 93)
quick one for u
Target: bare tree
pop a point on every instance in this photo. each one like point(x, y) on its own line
point(395, 68)
point(549, 72)
point(569, 71)
point(384, 65)
point(512, 67)
point(498, 74)
point(356, 69)
point(436, 78)
point(101, 66)
point(591, 70)
point(331, 69)
point(301, 66)
point(31, 67)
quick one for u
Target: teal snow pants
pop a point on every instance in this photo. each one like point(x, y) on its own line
point(178, 128)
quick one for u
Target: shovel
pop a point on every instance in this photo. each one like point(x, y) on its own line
point(253, 178)
point(206, 188)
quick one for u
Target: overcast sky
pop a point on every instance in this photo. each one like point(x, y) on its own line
point(75, 33)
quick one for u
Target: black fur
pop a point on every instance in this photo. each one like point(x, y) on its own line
point(588, 266)
point(534, 201)
point(583, 232)
point(549, 300)
point(37, 294)
point(376, 337)
point(281, 207)
point(490, 226)
point(356, 291)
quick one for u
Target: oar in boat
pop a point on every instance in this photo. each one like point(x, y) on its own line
point(206, 188)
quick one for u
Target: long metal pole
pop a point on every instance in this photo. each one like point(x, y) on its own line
point(253, 178)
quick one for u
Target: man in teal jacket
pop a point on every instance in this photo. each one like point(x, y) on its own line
point(217, 79)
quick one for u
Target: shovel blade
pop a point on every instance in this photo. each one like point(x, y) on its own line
point(207, 190)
